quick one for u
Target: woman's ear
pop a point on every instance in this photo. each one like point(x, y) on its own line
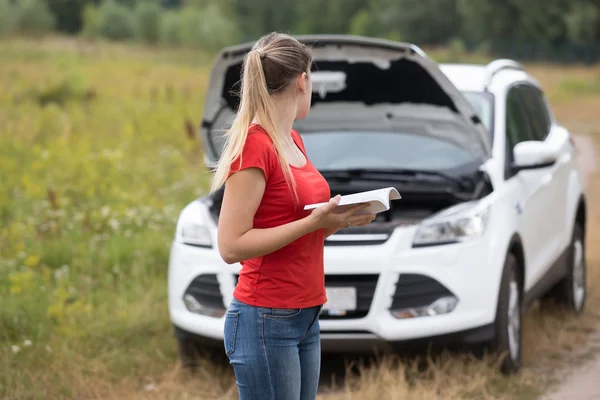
point(302, 82)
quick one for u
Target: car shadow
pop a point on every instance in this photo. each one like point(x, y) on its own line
point(337, 369)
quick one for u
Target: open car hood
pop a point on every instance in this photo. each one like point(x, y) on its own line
point(358, 83)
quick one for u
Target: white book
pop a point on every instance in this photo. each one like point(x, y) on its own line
point(379, 201)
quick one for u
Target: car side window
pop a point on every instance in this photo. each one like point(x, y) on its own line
point(536, 111)
point(517, 128)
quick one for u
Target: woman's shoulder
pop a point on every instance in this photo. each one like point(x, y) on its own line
point(259, 145)
point(256, 134)
point(257, 137)
point(257, 151)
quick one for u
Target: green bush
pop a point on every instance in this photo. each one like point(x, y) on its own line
point(6, 17)
point(68, 14)
point(583, 23)
point(361, 23)
point(116, 22)
point(169, 28)
point(208, 28)
point(147, 21)
point(91, 22)
point(456, 48)
point(72, 87)
point(190, 27)
point(218, 30)
point(33, 17)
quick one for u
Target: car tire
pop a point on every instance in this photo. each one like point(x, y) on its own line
point(508, 324)
point(571, 291)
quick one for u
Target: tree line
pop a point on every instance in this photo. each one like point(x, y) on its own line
point(477, 24)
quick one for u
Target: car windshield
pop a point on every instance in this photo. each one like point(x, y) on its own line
point(483, 105)
point(343, 150)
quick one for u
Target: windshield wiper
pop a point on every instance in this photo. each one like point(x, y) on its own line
point(350, 175)
point(402, 175)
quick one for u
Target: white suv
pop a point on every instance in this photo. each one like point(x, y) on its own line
point(492, 214)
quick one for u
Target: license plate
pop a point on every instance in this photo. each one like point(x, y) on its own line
point(340, 300)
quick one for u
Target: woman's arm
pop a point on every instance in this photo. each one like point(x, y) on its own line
point(239, 241)
point(331, 231)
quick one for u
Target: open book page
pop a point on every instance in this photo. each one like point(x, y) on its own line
point(379, 201)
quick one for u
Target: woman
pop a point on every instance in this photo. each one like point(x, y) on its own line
point(271, 327)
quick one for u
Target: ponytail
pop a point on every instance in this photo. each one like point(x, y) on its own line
point(255, 101)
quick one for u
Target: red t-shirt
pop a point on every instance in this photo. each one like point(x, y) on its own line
point(293, 276)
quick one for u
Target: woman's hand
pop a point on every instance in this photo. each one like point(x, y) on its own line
point(324, 217)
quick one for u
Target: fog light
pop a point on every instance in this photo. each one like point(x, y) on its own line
point(196, 307)
point(443, 305)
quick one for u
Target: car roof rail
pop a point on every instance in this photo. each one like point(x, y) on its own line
point(499, 65)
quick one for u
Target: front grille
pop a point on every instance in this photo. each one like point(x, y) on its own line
point(414, 290)
point(365, 288)
point(360, 236)
point(205, 289)
point(356, 239)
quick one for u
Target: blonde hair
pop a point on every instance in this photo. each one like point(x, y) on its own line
point(274, 61)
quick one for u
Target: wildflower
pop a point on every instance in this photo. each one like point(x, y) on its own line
point(114, 224)
point(31, 261)
point(55, 311)
point(27, 343)
point(61, 272)
point(20, 281)
point(15, 349)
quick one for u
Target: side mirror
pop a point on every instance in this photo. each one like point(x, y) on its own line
point(532, 155)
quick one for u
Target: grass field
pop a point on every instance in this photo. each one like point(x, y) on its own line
point(98, 154)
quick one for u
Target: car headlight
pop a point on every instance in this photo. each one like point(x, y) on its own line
point(191, 229)
point(457, 224)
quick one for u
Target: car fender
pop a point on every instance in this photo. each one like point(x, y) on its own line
point(504, 234)
point(575, 193)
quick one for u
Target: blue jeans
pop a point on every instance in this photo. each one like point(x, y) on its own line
point(275, 352)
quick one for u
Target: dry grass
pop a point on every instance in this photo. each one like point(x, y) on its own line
point(99, 328)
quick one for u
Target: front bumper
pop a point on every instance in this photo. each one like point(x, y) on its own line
point(470, 271)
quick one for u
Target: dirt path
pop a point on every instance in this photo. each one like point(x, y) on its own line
point(582, 385)
point(581, 382)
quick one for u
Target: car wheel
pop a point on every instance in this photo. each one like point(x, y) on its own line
point(571, 291)
point(508, 324)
